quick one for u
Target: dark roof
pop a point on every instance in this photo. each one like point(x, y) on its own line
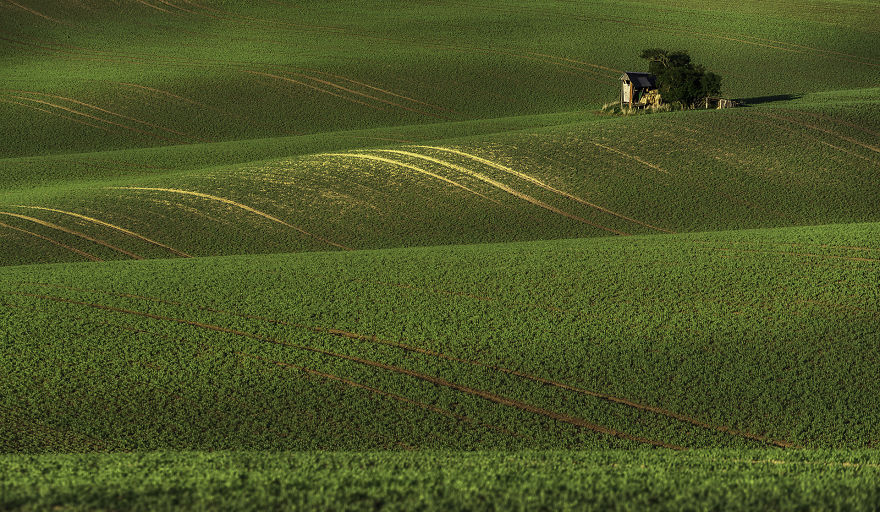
point(640, 80)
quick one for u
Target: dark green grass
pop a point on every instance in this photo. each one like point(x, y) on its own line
point(610, 480)
point(474, 61)
point(772, 332)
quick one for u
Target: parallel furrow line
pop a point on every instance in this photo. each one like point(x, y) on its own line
point(237, 205)
point(437, 381)
point(505, 188)
point(74, 233)
point(108, 225)
point(53, 241)
point(411, 167)
point(543, 185)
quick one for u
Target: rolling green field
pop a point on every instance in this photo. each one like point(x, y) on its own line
point(357, 255)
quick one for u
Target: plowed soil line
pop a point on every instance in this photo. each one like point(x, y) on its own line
point(238, 205)
point(387, 394)
point(543, 185)
point(84, 114)
point(325, 91)
point(410, 348)
point(437, 381)
point(411, 167)
point(505, 188)
point(111, 226)
point(99, 109)
point(74, 233)
point(369, 96)
point(79, 121)
point(824, 130)
point(55, 242)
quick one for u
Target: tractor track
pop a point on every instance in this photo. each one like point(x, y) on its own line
point(437, 381)
point(440, 355)
point(74, 233)
point(411, 167)
point(56, 114)
point(53, 241)
point(108, 225)
point(545, 186)
point(121, 116)
point(238, 205)
point(503, 187)
point(96, 118)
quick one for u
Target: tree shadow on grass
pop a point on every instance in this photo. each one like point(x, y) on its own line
point(768, 99)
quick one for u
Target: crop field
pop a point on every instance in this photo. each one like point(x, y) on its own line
point(360, 255)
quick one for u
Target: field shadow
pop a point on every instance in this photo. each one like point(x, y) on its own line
point(768, 99)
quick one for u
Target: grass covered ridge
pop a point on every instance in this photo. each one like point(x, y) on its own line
point(809, 162)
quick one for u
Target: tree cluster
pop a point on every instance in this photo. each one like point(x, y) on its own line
point(679, 79)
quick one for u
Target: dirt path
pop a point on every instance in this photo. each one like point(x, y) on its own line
point(55, 242)
point(543, 185)
point(437, 381)
point(238, 205)
point(411, 167)
point(111, 226)
point(503, 187)
point(74, 233)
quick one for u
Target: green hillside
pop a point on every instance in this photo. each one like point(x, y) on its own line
point(87, 75)
point(728, 339)
point(805, 163)
point(361, 255)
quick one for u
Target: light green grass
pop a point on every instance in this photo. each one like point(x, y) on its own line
point(768, 332)
point(613, 480)
point(806, 162)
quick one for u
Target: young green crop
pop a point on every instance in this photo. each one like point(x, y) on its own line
point(558, 480)
point(804, 163)
point(735, 339)
point(125, 75)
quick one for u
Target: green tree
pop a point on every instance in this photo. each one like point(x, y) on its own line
point(679, 79)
